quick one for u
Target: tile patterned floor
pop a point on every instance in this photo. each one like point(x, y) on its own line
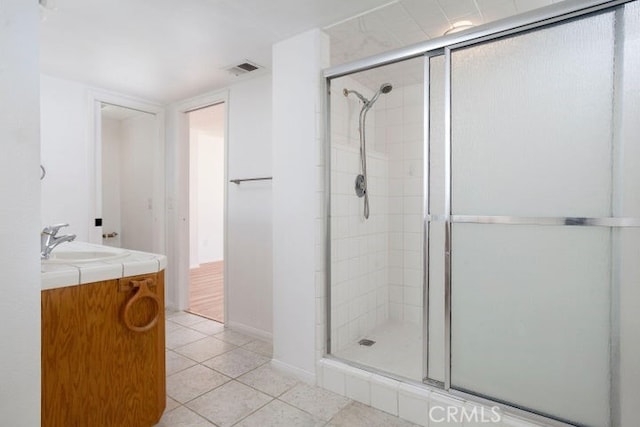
point(218, 377)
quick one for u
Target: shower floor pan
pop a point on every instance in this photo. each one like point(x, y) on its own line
point(397, 349)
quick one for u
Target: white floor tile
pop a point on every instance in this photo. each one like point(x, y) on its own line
point(169, 326)
point(204, 394)
point(176, 362)
point(171, 404)
point(264, 348)
point(187, 319)
point(268, 380)
point(280, 414)
point(236, 362)
point(192, 382)
point(204, 349)
point(208, 327)
point(182, 336)
point(316, 401)
point(183, 417)
point(233, 337)
point(229, 403)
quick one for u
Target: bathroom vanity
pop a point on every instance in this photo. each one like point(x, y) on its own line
point(103, 349)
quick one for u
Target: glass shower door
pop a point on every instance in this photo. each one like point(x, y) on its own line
point(531, 203)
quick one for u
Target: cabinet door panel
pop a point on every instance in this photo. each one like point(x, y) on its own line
point(95, 370)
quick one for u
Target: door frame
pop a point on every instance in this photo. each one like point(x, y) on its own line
point(180, 221)
point(96, 98)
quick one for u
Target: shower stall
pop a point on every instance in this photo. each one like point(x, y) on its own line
point(495, 257)
point(377, 243)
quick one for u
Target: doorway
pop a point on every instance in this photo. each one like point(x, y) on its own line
point(206, 211)
point(128, 136)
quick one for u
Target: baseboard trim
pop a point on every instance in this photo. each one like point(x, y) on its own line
point(249, 330)
point(301, 374)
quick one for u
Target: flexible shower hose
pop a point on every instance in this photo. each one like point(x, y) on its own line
point(363, 159)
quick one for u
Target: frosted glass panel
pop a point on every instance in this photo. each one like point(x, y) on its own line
point(532, 136)
point(628, 135)
point(531, 122)
point(530, 317)
point(628, 272)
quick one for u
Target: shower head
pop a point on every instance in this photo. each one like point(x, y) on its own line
point(386, 88)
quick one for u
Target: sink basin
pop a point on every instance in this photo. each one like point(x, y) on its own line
point(76, 256)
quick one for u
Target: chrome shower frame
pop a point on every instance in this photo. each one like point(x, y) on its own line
point(555, 13)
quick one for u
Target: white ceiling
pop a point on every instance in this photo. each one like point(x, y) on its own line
point(167, 50)
point(405, 22)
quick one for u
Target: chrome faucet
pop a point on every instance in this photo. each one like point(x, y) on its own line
point(49, 239)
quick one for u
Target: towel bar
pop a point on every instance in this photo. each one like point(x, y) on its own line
point(238, 181)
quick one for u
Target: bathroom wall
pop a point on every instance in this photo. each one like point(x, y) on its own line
point(65, 144)
point(298, 203)
point(249, 260)
point(359, 262)
point(67, 150)
point(248, 266)
point(19, 215)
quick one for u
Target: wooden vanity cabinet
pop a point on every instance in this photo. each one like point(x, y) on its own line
point(103, 353)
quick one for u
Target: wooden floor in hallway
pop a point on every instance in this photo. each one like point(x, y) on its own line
point(206, 290)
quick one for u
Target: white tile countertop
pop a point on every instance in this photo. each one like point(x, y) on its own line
point(68, 270)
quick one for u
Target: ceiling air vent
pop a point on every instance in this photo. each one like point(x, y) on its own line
point(243, 68)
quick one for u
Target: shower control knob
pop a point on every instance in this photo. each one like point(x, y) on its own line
point(361, 185)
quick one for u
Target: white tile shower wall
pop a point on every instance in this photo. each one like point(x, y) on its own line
point(358, 246)
point(359, 255)
point(399, 128)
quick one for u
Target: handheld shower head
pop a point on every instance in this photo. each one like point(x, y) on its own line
point(386, 87)
point(361, 180)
